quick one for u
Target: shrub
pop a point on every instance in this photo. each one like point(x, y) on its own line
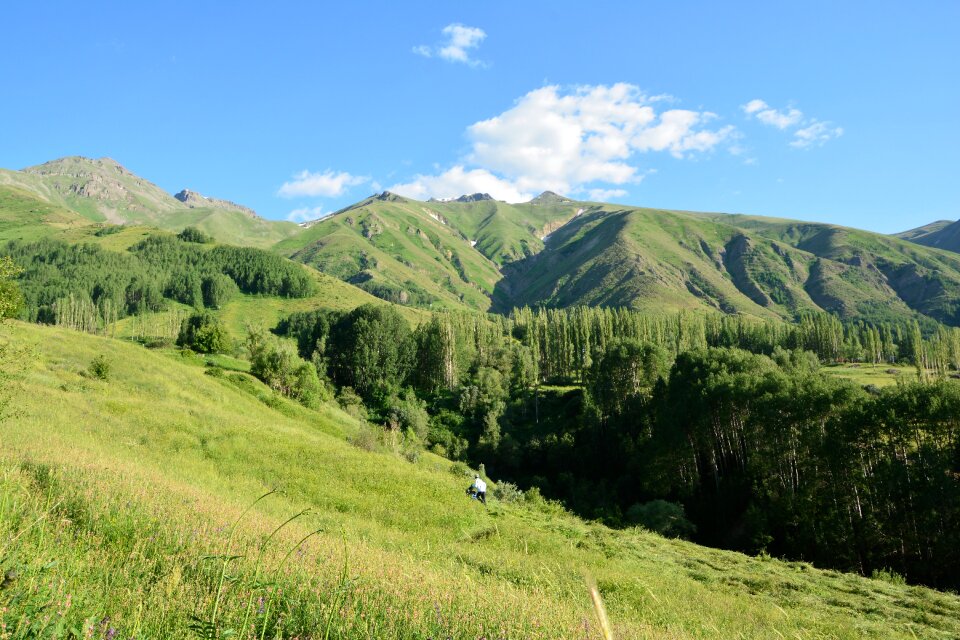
point(368, 438)
point(100, 368)
point(460, 469)
point(888, 575)
point(351, 403)
point(204, 333)
point(108, 230)
point(11, 299)
point(507, 492)
point(666, 518)
point(192, 234)
point(217, 290)
point(276, 363)
point(408, 413)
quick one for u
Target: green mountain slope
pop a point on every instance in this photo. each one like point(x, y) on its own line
point(120, 519)
point(657, 259)
point(942, 234)
point(927, 229)
point(866, 273)
point(24, 215)
point(103, 191)
point(400, 250)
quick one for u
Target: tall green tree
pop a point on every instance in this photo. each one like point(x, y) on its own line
point(11, 298)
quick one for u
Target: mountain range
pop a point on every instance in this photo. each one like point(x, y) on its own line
point(475, 252)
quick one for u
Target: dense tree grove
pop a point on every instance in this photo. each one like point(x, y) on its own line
point(87, 288)
point(638, 419)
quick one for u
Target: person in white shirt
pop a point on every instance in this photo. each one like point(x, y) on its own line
point(480, 487)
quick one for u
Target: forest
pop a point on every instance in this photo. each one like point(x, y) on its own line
point(87, 288)
point(723, 429)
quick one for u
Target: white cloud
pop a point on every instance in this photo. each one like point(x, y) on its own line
point(460, 40)
point(458, 181)
point(815, 133)
point(305, 214)
point(328, 183)
point(567, 141)
point(773, 117)
point(605, 195)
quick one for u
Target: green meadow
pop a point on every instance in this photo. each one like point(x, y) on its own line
point(174, 499)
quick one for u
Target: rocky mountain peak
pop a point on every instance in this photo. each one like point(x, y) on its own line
point(389, 196)
point(549, 197)
point(196, 200)
point(476, 197)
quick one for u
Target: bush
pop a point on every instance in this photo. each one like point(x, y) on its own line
point(666, 518)
point(351, 403)
point(460, 469)
point(368, 438)
point(11, 299)
point(192, 234)
point(108, 230)
point(888, 575)
point(218, 289)
point(408, 413)
point(276, 363)
point(507, 492)
point(204, 333)
point(100, 368)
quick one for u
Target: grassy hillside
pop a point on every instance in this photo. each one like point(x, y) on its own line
point(927, 229)
point(942, 235)
point(657, 259)
point(25, 216)
point(117, 498)
point(870, 274)
point(394, 247)
point(103, 191)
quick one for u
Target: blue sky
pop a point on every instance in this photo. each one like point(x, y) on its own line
point(844, 112)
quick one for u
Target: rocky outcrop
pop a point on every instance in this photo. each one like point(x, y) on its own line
point(476, 197)
point(196, 200)
point(549, 197)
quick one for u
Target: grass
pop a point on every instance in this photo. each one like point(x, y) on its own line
point(24, 216)
point(880, 375)
point(118, 498)
point(397, 245)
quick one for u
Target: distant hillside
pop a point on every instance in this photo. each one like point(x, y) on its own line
point(428, 253)
point(942, 234)
point(101, 190)
point(477, 252)
point(655, 259)
point(25, 215)
point(925, 230)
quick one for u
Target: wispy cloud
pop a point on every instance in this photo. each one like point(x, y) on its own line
point(571, 141)
point(459, 41)
point(807, 132)
point(773, 117)
point(327, 183)
point(817, 133)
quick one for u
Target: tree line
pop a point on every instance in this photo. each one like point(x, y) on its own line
point(86, 287)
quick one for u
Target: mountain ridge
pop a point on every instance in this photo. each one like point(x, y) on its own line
point(478, 253)
point(103, 191)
